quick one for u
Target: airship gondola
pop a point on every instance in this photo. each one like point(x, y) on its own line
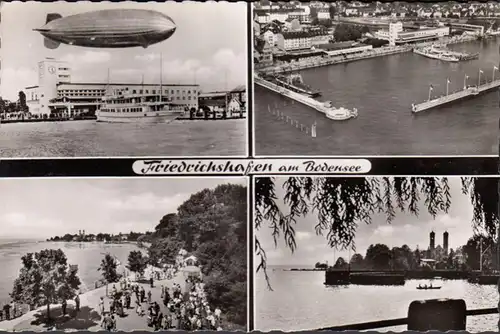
point(112, 28)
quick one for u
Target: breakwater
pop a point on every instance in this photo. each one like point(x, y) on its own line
point(366, 277)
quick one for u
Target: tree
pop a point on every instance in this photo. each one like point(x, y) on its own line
point(378, 256)
point(212, 225)
point(357, 261)
point(22, 102)
point(2, 105)
point(45, 278)
point(332, 10)
point(108, 269)
point(340, 264)
point(137, 263)
point(342, 203)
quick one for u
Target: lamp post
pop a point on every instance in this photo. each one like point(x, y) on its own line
point(479, 79)
point(430, 91)
point(493, 77)
point(465, 81)
point(447, 86)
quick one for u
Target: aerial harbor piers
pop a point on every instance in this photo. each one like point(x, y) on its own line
point(465, 93)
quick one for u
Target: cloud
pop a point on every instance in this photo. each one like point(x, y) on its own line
point(147, 57)
point(384, 230)
point(303, 235)
point(86, 58)
point(16, 79)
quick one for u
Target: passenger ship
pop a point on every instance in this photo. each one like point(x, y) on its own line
point(122, 107)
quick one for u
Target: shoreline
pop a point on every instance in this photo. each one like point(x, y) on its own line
point(54, 120)
point(374, 53)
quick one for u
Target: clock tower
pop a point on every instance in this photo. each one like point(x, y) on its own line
point(51, 73)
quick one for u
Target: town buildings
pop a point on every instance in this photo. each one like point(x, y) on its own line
point(56, 93)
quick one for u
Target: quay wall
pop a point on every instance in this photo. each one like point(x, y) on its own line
point(377, 52)
point(366, 277)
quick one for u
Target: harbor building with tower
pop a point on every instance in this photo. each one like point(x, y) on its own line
point(56, 93)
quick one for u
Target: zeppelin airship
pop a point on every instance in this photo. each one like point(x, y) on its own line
point(111, 28)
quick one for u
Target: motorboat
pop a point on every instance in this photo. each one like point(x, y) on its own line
point(425, 287)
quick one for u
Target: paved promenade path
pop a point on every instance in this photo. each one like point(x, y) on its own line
point(89, 318)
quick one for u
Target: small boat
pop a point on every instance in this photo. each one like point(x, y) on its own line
point(428, 287)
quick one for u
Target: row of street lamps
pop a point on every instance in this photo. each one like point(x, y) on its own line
point(495, 68)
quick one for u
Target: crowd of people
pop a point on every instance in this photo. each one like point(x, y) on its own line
point(181, 310)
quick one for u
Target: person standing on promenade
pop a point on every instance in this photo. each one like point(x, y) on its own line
point(143, 295)
point(14, 310)
point(64, 306)
point(77, 303)
point(113, 323)
point(6, 311)
point(151, 281)
point(149, 297)
point(101, 306)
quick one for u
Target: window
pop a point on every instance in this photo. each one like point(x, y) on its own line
point(147, 91)
point(140, 92)
point(134, 92)
point(154, 91)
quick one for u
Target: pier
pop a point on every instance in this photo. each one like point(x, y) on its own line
point(465, 93)
point(323, 107)
point(310, 102)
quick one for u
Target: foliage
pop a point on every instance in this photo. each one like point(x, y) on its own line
point(342, 203)
point(473, 249)
point(347, 32)
point(212, 224)
point(341, 264)
point(319, 265)
point(108, 269)
point(136, 262)
point(378, 257)
point(357, 261)
point(164, 250)
point(22, 102)
point(45, 278)
point(375, 42)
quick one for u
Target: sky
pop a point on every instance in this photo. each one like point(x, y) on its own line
point(43, 208)
point(208, 47)
point(405, 229)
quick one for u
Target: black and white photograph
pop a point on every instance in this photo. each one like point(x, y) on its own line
point(123, 254)
point(87, 79)
point(381, 253)
point(376, 78)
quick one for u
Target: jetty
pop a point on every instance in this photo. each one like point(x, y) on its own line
point(462, 94)
point(322, 107)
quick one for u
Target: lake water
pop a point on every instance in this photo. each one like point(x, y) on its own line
point(300, 301)
point(87, 256)
point(383, 89)
point(91, 138)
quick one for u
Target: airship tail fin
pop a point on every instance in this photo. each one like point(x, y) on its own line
point(50, 44)
point(52, 17)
